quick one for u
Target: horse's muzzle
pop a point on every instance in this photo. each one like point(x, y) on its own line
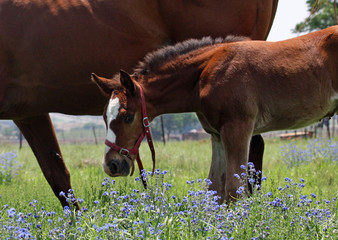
point(116, 168)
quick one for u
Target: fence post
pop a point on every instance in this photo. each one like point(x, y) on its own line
point(162, 126)
point(333, 125)
point(94, 134)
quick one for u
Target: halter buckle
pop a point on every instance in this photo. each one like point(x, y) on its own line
point(146, 122)
point(124, 152)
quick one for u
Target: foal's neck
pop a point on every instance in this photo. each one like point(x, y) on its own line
point(175, 86)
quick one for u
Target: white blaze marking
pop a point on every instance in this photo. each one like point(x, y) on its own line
point(112, 112)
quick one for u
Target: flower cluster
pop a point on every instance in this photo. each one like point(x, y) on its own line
point(326, 150)
point(158, 212)
point(8, 167)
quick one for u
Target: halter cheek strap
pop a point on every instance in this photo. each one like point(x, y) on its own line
point(135, 150)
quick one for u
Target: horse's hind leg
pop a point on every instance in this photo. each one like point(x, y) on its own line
point(39, 133)
point(256, 157)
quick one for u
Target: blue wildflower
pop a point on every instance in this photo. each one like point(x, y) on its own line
point(208, 181)
point(269, 194)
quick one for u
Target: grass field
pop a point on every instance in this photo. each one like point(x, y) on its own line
point(297, 201)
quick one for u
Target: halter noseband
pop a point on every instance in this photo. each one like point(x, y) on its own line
point(135, 150)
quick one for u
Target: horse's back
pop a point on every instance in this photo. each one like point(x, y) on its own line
point(193, 19)
point(49, 48)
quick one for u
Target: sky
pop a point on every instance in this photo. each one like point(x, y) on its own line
point(289, 13)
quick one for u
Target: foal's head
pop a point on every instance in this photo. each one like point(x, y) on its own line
point(123, 118)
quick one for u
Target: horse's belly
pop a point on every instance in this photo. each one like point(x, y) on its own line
point(282, 125)
point(293, 120)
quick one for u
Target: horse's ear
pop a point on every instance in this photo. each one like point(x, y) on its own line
point(105, 85)
point(127, 82)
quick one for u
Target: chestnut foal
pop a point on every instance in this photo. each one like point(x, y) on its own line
point(238, 89)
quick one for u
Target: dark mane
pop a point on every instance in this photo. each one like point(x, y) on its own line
point(153, 59)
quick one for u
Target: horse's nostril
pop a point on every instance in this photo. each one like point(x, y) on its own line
point(113, 167)
point(116, 168)
point(125, 167)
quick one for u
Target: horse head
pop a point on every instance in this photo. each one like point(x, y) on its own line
point(125, 123)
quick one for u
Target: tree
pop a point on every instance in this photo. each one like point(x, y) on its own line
point(180, 122)
point(10, 131)
point(323, 13)
point(174, 122)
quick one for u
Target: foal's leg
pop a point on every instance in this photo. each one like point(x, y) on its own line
point(217, 173)
point(256, 156)
point(217, 169)
point(39, 133)
point(236, 137)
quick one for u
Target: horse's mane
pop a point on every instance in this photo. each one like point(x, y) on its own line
point(154, 59)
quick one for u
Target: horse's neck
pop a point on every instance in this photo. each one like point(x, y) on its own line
point(176, 93)
point(175, 87)
point(173, 95)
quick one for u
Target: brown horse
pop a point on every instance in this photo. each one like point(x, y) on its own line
point(49, 48)
point(238, 89)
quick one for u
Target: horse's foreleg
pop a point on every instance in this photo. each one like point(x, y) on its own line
point(40, 135)
point(217, 173)
point(236, 139)
point(217, 169)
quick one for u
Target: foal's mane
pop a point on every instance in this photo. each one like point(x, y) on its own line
point(154, 59)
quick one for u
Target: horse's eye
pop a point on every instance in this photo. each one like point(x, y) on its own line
point(129, 118)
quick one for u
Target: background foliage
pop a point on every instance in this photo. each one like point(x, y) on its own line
point(321, 15)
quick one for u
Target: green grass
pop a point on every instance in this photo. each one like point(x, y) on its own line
point(183, 161)
point(320, 175)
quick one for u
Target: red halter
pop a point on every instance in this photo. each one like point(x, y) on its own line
point(135, 150)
